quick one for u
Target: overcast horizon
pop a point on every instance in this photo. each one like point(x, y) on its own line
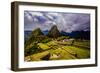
point(67, 22)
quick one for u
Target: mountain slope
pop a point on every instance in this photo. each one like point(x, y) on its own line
point(54, 32)
point(78, 34)
point(34, 36)
point(37, 32)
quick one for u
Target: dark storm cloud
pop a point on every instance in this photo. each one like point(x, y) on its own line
point(67, 22)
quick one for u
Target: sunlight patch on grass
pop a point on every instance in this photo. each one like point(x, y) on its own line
point(43, 46)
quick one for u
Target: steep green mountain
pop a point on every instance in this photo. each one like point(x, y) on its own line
point(31, 43)
point(54, 32)
point(34, 36)
point(37, 32)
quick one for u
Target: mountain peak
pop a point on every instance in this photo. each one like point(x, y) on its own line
point(54, 32)
point(37, 32)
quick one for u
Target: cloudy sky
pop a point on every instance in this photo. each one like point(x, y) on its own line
point(67, 22)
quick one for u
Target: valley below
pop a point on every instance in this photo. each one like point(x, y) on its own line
point(57, 50)
point(56, 46)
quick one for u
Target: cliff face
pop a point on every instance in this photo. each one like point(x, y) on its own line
point(54, 32)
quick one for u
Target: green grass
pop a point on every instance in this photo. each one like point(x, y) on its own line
point(85, 44)
point(64, 55)
point(36, 57)
point(65, 51)
point(43, 46)
point(53, 43)
point(81, 52)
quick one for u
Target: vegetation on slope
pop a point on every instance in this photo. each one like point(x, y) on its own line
point(55, 46)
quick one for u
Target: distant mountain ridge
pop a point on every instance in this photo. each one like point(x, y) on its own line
point(45, 32)
point(54, 32)
point(78, 34)
point(26, 34)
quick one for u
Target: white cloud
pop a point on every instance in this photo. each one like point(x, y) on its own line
point(28, 17)
point(65, 21)
point(36, 13)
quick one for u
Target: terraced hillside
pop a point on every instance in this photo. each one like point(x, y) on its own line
point(57, 50)
point(55, 46)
